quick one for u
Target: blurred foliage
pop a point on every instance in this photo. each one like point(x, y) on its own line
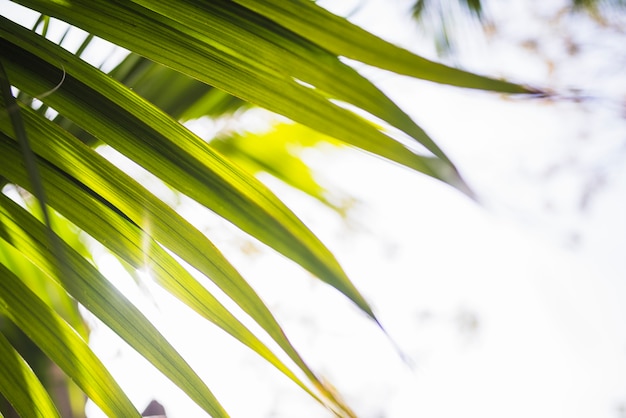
point(447, 22)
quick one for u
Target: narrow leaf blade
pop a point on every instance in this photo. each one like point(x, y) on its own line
point(21, 387)
point(62, 344)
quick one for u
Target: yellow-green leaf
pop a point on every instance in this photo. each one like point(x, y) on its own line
point(62, 344)
point(20, 385)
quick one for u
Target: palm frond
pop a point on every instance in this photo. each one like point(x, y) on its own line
point(188, 59)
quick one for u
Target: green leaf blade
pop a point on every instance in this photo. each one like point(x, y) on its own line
point(21, 387)
point(87, 166)
point(94, 292)
point(188, 164)
point(62, 344)
point(345, 39)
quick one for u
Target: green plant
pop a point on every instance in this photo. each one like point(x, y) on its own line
point(280, 55)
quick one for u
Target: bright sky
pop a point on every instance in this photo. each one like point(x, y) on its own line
point(501, 311)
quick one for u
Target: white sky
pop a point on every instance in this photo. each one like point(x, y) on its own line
point(500, 314)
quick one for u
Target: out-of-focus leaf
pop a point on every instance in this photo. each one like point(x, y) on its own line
point(444, 21)
point(441, 19)
point(420, 7)
point(181, 96)
point(276, 152)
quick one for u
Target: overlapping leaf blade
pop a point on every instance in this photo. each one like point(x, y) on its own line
point(61, 343)
point(181, 96)
point(92, 290)
point(178, 46)
point(192, 247)
point(281, 55)
point(99, 179)
point(341, 37)
point(286, 55)
point(166, 148)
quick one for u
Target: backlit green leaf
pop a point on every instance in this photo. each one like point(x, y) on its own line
point(341, 37)
point(21, 387)
point(170, 151)
point(62, 344)
point(78, 204)
point(94, 292)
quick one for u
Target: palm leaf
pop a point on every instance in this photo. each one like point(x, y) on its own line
point(189, 59)
point(78, 161)
point(61, 343)
point(179, 95)
point(21, 386)
point(167, 149)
